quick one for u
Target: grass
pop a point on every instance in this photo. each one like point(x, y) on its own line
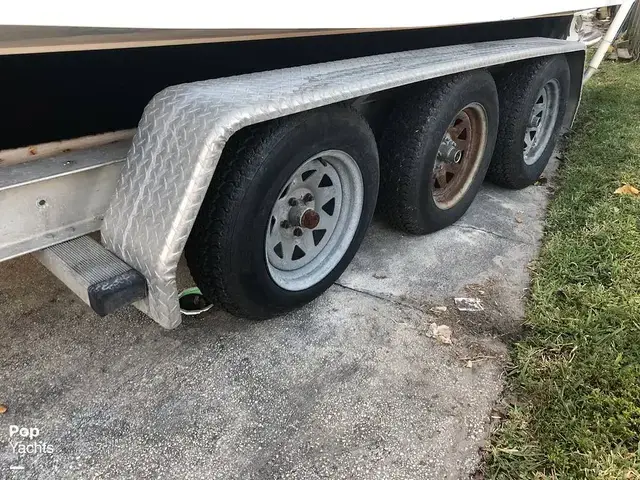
point(576, 373)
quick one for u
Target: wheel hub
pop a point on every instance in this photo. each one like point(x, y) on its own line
point(310, 219)
point(448, 151)
point(534, 122)
point(459, 155)
point(303, 217)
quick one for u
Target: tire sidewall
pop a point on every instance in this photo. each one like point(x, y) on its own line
point(317, 132)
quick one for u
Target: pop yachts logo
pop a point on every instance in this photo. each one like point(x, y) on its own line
point(25, 441)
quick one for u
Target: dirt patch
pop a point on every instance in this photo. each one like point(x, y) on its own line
point(497, 318)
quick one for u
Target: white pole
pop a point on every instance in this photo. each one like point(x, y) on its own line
point(608, 39)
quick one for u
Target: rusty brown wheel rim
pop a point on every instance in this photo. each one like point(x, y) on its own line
point(459, 155)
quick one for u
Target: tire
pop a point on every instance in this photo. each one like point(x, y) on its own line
point(230, 251)
point(515, 165)
point(411, 197)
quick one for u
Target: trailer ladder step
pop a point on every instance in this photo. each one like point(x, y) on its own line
point(96, 275)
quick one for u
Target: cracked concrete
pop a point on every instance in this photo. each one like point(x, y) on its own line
point(351, 386)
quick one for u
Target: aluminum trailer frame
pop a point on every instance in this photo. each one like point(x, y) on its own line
point(178, 143)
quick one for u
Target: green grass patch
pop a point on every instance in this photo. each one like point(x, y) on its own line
point(576, 373)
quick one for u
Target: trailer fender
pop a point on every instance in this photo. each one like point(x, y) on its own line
point(184, 128)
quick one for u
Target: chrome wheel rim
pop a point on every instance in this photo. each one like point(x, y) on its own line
point(459, 155)
point(314, 220)
point(542, 121)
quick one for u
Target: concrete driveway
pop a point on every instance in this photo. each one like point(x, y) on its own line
point(352, 386)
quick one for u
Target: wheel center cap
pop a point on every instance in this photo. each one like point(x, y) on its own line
point(310, 219)
point(304, 217)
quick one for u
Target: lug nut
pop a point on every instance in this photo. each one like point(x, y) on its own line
point(297, 232)
point(308, 198)
point(293, 202)
point(285, 224)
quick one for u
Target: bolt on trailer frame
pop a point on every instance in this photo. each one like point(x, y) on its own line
point(144, 195)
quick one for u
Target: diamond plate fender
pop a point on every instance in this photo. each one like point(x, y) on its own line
point(184, 128)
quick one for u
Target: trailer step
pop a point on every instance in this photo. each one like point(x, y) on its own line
point(96, 275)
